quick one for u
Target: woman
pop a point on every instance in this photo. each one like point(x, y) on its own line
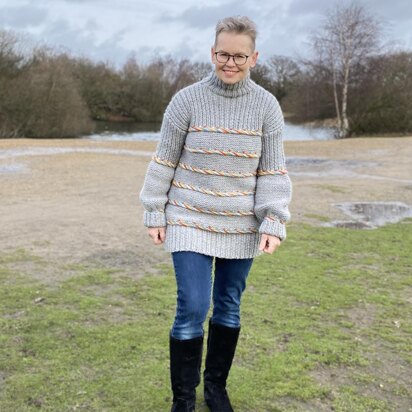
point(216, 191)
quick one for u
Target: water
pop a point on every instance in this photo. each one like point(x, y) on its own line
point(151, 131)
point(13, 168)
point(110, 131)
point(369, 215)
point(45, 151)
point(302, 132)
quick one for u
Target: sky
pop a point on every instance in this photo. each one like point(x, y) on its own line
point(114, 30)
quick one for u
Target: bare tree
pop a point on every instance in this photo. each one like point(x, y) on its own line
point(13, 65)
point(349, 35)
point(382, 99)
point(9, 59)
point(262, 76)
point(284, 72)
point(181, 73)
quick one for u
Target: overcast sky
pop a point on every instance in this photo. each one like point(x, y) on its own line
point(114, 29)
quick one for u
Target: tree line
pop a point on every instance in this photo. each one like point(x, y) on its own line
point(44, 93)
point(349, 79)
point(379, 95)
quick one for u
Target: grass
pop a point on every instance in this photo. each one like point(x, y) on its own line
point(320, 218)
point(332, 188)
point(326, 325)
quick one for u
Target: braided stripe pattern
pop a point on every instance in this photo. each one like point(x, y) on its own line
point(163, 162)
point(211, 211)
point(274, 219)
point(215, 172)
point(262, 172)
point(224, 130)
point(211, 192)
point(219, 170)
point(211, 228)
point(222, 152)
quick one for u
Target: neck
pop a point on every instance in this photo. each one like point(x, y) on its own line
point(218, 86)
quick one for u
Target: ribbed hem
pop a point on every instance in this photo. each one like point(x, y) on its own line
point(154, 219)
point(274, 228)
point(223, 245)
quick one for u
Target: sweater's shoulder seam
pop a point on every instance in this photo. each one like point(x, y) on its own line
point(179, 98)
point(172, 122)
point(273, 113)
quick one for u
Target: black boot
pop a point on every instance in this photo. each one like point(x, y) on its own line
point(185, 362)
point(221, 346)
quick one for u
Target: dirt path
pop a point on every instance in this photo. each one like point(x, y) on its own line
point(76, 201)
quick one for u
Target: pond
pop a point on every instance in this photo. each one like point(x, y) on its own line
point(151, 131)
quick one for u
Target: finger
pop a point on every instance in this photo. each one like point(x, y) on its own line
point(263, 240)
point(155, 237)
point(271, 247)
point(162, 234)
point(274, 244)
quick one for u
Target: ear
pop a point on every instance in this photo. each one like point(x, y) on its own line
point(253, 59)
point(212, 55)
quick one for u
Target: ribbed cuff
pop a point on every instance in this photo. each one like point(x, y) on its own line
point(274, 228)
point(154, 219)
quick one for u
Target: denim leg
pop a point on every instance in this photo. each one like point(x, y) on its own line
point(194, 283)
point(229, 284)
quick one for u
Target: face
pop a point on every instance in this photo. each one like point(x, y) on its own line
point(233, 43)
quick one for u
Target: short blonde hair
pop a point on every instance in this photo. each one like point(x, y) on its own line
point(238, 25)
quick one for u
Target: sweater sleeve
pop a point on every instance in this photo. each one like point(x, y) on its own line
point(160, 172)
point(273, 187)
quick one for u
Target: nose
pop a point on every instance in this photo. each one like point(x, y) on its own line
point(231, 61)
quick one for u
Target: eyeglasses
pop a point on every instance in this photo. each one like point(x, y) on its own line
point(223, 57)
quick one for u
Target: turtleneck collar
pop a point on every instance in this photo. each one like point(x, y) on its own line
point(218, 86)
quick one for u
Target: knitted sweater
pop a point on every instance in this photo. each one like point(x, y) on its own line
point(218, 177)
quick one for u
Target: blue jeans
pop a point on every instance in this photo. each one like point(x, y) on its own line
point(194, 287)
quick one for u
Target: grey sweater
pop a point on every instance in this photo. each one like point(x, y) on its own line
point(218, 178)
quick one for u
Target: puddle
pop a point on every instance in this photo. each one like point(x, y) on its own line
point(369, 215)
point(318, 167)
point(318, 161)
point(321, 167)
point(13, 168)
point(40, 151)
point(298, 166)
point(44, 151)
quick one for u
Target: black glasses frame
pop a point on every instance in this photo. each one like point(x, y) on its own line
point(233, 56)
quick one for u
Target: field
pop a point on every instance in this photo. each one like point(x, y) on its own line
point(87, 301)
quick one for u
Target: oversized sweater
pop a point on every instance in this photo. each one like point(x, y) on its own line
point(218, 178)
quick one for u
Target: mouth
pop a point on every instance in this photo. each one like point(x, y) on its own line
point(230, 72)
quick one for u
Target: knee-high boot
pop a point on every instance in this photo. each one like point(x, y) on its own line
point(221, 347)
point(185, 363)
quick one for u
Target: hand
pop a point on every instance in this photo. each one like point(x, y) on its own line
point(269, 243)
point(157, 234)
